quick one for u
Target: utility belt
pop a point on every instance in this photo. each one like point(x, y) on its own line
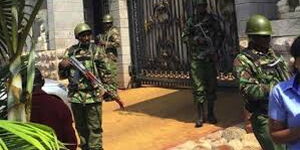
point(258, 106)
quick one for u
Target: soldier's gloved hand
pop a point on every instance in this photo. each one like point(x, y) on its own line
point(101, 92)
point(108, 98)
point(65, 63)
point(120, 103)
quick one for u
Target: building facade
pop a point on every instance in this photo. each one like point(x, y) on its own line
point(53, 29)
point(59, 19)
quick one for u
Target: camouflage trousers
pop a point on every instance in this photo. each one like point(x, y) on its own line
point(113, 84)
point(88, 123)
point(260, 127)
point(204, 80)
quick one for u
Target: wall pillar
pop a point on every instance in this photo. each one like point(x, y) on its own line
point(118, 9)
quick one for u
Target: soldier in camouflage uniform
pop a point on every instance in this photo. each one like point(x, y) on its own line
point(203, 34)
point(258, 70)
point(86, 101)
point(110, 42)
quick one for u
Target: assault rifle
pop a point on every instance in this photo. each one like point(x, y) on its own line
point(202, 35)
point(96, 83)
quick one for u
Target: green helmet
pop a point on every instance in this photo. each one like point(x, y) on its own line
point(81, 27)
point(107, 18)
point(258, 25)
point(199, 2)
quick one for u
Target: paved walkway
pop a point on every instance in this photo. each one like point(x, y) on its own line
point(158, 118)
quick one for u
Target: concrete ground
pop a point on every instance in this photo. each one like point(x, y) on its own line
point(159, 118)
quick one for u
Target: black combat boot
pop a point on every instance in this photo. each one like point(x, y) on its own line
point(210, 113)
point(200, 113)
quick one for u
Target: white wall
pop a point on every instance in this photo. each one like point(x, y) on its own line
point(118, 8)
point(63, 15)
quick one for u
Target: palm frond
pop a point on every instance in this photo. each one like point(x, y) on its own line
point(4, 75)
point(25, 32)
point(16, 19)
point(14, 135)
point(4, 16)
point(3, 145)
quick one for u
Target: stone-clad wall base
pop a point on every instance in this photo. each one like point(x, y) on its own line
point(47, 62)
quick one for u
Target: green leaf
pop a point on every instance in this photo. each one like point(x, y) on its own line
point(30, 71)
point(3, 145)
point(17, 135)
point(47, 134)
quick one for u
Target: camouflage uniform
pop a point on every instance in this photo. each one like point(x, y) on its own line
point(86, 101)
point(203, 70)
point(257, 73)
point(112, 43)
point(203, 55)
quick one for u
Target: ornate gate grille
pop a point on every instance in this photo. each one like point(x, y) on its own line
point(159, 56)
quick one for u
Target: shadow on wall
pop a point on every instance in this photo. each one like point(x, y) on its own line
point(179, 106)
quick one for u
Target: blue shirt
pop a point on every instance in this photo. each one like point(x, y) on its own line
point(284, 105)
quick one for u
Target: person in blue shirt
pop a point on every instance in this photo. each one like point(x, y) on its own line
point(284, 106)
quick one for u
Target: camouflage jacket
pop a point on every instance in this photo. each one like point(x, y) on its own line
point(258, 73)
point(211, 34)
point(94, 59)
point(112, 42)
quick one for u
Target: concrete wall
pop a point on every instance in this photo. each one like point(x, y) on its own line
point(246, 8)
point(118, 8)
point(63, 15)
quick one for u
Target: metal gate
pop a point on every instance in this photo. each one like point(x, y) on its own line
point(159, 56)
